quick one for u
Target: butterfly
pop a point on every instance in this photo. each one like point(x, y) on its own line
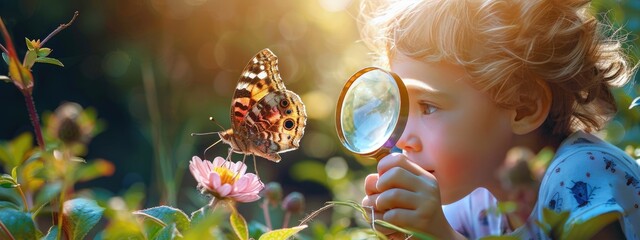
point(266, 118)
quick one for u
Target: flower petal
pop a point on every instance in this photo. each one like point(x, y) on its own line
point(214, 180)
point(224, 190)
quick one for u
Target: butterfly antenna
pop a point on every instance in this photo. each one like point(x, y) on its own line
point(209, 147)
point(203, 134)
point(217, 123)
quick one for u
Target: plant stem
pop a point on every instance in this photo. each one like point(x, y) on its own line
point(61, 209)
point(35, 121)
point(60, 28)
point(4, 228)
point(4, 50)
point(285, 222)
point(267, 216)
point(24, 200)
point(213, 204)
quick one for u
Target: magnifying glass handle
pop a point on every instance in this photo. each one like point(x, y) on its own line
point(382, 152)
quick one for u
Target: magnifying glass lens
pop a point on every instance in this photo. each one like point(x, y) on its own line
point(369, 112)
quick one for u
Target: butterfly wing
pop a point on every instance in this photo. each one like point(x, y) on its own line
point(275, 124)
point(259, 77)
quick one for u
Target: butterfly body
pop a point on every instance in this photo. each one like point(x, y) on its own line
point(267, 119)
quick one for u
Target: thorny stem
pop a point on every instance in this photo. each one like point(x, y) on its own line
point(60, 28)
point(35, 121)
point(265, 210)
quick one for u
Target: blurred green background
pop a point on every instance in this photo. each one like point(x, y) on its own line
point(155, 70)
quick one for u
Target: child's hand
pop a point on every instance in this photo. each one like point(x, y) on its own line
point(404, 194)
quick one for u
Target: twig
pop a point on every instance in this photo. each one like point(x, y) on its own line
point(315, 213)
point(60, 28)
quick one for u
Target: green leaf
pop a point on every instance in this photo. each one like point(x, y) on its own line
point(48, 192)
point(14, 152)
point(6, 181)
point(43, 52)
point(500, 238)
point(402, 230)
point(634, 103)
point(205, 224)
point(168, 233)
point(52, 234)
point(94, 169)
point(5, 57)
point(14, 173)
point(30, 59)
point(167, 216)
point(283, 233)
point(198, 215)
point(18, 223)
point(49, 61)
point(239, 225)
point(29, 44)
point(81, 215)
point(20, 75)
point(589, 228)
point(7, 204)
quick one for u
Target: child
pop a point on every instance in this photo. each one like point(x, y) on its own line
point(485, 76)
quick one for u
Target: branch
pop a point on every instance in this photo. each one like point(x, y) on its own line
point(60, 28)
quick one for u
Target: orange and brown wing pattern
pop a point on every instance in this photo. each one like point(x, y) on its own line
point(259, 77)
point(274, 125)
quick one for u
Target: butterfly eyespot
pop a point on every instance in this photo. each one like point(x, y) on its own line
point(288, 124)
point(284, 103)
point(288, 111)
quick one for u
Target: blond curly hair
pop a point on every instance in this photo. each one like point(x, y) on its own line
point(507, 46)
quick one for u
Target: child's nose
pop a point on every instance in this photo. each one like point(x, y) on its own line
point(409, 142)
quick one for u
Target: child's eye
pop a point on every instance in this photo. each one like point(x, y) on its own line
point(427, 109)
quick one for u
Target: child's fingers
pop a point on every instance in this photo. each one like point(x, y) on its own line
point(370, 184)
point(399, 177)
point(399, 160)
point(396, 198)
point(408, 219)
point(370, 200)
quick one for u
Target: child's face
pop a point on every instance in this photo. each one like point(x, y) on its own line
point(453, 130)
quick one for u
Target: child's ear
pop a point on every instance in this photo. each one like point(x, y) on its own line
point(533, 110)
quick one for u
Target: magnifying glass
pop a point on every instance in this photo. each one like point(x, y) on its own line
point(372, 112)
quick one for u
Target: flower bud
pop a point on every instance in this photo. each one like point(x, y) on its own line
point(273, 192)
point(294, 202)
point(67, 125)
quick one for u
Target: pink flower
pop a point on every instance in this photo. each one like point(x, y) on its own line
point(225, 180)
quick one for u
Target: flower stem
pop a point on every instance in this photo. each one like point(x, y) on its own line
point(213, 204)
point(285, 222)
point(35, 121)
point(265, 211)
